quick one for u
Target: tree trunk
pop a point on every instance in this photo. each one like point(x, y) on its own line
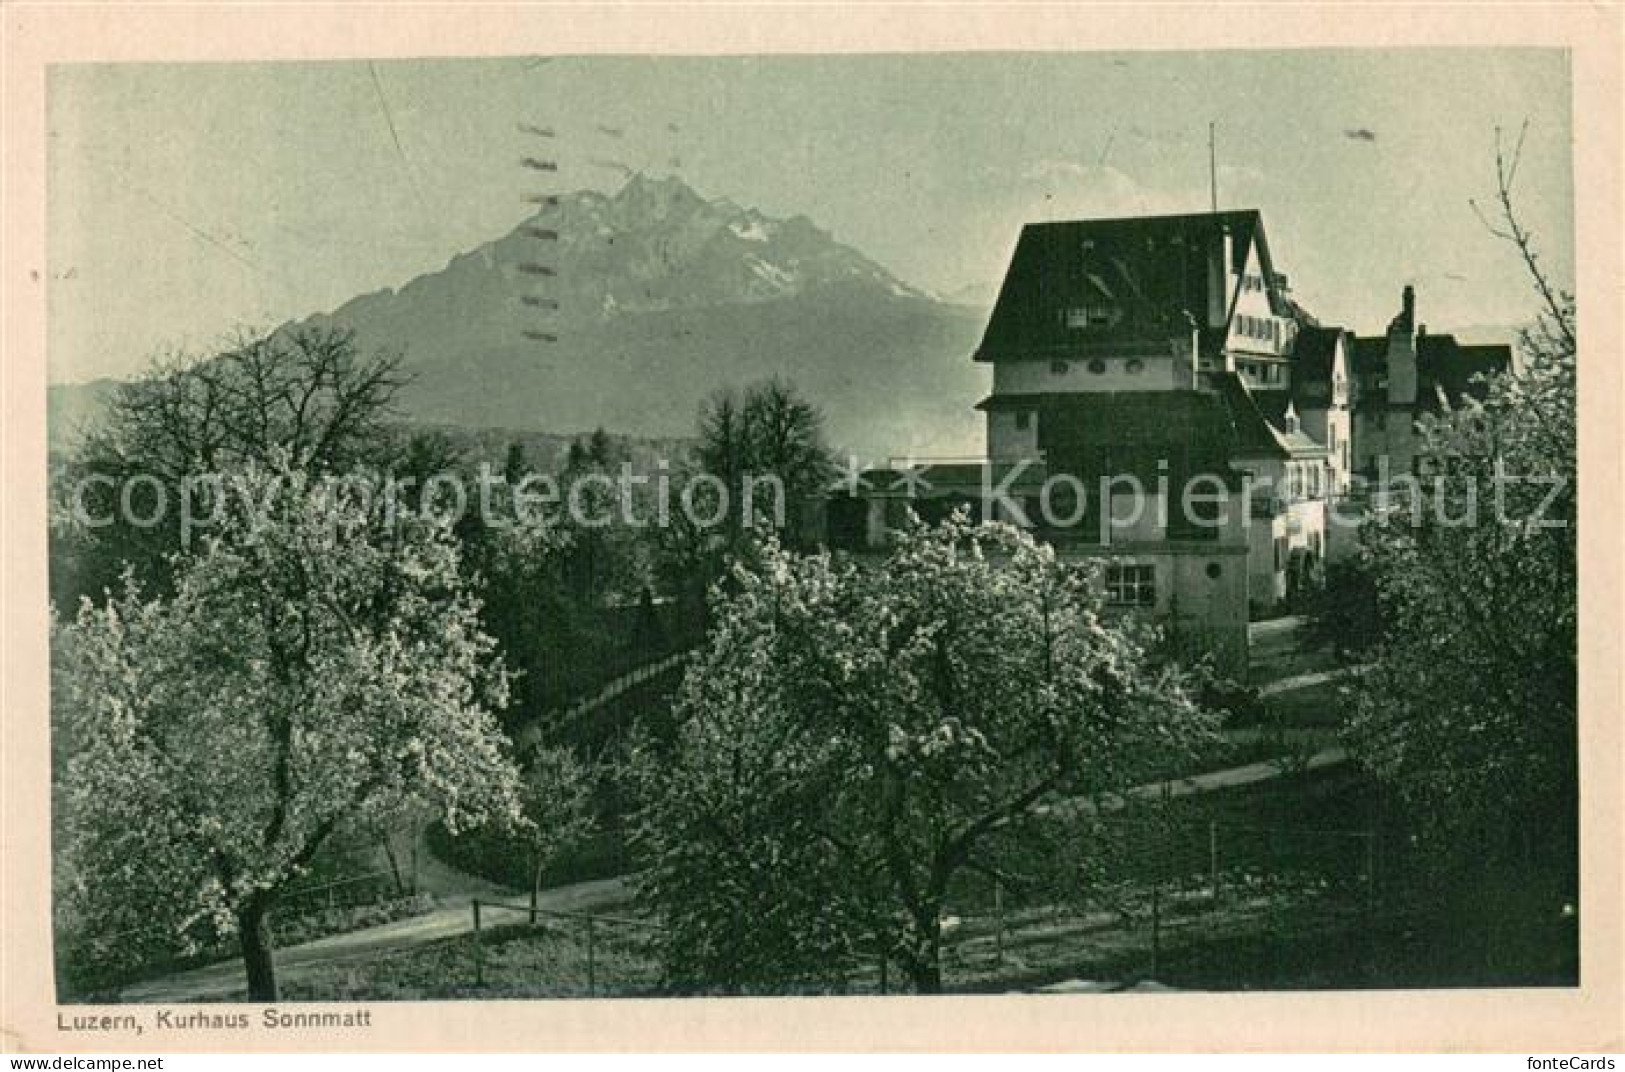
point(258, 959)
point(394, 864)
point(925, 972)
point(923, 961)
point(535, 888)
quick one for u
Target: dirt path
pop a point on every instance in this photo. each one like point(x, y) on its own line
point(224, 981)
point(1310, 680)
point(1174, 788)
point(1278, 642)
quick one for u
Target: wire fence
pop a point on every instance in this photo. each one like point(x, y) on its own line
point(532, 735)
point(107, 960)
point(1215, 903)
point(1183, 902)
point(1155, 893)
point(582, 953)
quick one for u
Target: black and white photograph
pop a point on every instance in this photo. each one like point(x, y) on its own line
point(536, 527)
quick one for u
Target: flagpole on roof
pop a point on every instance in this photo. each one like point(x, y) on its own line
point(1212, 167)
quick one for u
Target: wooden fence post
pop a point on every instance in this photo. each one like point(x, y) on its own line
point(592, 964)
point(998, 914)
point(1274, 930)
point(479, 958)
point(1156, 928)
point(1371, 872)
point(1213, 858)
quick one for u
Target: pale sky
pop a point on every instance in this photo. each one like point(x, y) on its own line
point(190, 200)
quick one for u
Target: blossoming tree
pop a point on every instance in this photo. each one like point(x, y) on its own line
point(318, 663)
point(856, 737)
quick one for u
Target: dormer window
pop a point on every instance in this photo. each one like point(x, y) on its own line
point(1084, 317)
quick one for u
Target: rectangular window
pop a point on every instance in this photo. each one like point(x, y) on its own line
point(1131, 586)
point(1081, 317)
point(1024, 419)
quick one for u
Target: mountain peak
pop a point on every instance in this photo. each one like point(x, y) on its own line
point(642, 183)
point(587, 258)
point(647, 198)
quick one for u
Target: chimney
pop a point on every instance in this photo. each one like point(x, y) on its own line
point(1402, 353)
point(1404, 322)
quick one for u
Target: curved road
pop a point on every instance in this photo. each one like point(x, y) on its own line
point(224, 981)
point(456, 889)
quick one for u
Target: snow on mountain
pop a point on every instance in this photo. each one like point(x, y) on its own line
point(627, 310)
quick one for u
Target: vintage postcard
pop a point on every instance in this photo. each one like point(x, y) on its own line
point(1036, 527)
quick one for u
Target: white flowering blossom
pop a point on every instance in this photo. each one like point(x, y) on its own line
point(296, 680)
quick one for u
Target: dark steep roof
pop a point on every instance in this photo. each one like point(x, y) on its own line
point(1314, 355)
point(1259, 418)
point(1152, 269)
point(1118, 433)
point(1197, 432)
point(1272, 404)
point(1368, 355)
point(1441, 363)
point(1444, 364)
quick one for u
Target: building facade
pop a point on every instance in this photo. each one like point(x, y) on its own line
point(1404, 375)
point(1161, 404)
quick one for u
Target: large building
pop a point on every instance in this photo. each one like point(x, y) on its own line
point(1160, 402)
point(1403, 375)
